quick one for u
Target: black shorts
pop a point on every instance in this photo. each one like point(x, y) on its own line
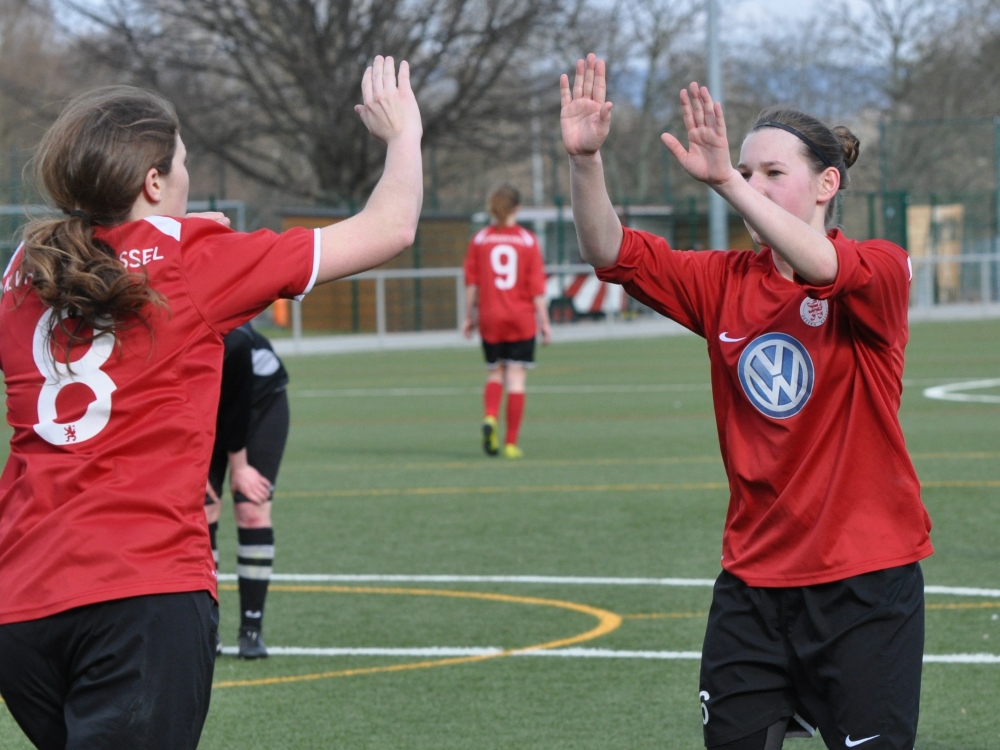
point(266, 439)
point(845, 656)
point(119, 675)
point(510, 352)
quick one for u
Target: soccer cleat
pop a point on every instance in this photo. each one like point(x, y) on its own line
point(512, 451)
point(251, 644)
point(491, 444)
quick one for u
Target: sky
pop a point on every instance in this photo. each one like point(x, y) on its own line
point(760, 10)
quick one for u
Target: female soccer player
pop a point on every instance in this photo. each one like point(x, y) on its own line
point(817, 617)
point(111, 326)
point(505, 275)
point(250, 434)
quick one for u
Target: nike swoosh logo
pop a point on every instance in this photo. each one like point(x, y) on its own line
point(724, 336)
point(855, 743)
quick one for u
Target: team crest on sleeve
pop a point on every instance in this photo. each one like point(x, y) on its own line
point(777, 375)
point(814, 312)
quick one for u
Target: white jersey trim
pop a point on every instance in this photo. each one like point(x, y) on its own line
point(315, 271)
point(170, 227)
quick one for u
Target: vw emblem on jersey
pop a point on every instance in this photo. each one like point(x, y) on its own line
point(814, 311)
point(776, 373)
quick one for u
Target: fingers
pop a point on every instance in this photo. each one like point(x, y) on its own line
point(720, 121)
point(674, 146)
point(709, 107)
point(600, 82)
point(606, 112)
point(588, 76)
point(378, 74)
point(578, 80)
point(404, 75)
point(366, 87)
point(565, 96)
point(697, 109)
point(389, 74)
point(686, 111)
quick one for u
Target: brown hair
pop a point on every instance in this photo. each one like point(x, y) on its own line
point(92, 164)
point(503, 202)
point(823, 147)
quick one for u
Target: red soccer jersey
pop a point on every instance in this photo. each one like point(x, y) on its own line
point(103, 493)
point(807, 382)
point(505, 265)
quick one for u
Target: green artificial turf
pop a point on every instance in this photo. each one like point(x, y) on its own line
point(613, 485)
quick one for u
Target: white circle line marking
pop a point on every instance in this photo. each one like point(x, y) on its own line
point(953, 391)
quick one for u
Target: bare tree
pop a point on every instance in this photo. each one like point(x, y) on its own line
point(267, 86)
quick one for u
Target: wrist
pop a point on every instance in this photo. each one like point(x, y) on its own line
point(585, 161)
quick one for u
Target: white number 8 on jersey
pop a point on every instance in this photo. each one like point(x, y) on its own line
point(503, 259)
point(86, 370)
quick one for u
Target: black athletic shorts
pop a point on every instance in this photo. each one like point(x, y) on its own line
point(266, 439)
point(513, 352)
point(119, 675)
point(845, 657)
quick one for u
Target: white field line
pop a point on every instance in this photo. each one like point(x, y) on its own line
point(952, 392)
point(567, 653)
point(541, 389)
point(556, 580)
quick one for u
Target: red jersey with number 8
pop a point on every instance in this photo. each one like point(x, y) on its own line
point(102, 495)
point(505, 264)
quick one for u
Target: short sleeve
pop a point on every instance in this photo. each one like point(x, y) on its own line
point(685, 286)
point(471, 270)
point(873, 285)
point(233, 276)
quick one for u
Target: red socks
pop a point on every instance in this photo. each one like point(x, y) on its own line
point(491, 399)
point(515, 410)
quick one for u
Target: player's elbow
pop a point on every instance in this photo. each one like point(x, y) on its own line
point(406, 235)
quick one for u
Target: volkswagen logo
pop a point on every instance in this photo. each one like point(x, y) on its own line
point(776, 373)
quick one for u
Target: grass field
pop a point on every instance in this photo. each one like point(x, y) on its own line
point(622, 479)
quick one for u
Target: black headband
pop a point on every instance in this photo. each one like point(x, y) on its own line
point(801, 136)
point(76, 213)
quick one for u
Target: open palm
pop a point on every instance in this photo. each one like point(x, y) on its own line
point(585, 116)
point(707, 156)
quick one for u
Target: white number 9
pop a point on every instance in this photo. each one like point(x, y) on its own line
point(503, 259)
point(86, 370)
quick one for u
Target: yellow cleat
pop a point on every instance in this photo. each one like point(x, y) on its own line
point(512, 451)
point(491, 444)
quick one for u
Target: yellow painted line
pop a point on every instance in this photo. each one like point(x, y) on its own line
point(607, 622)
point(971, 605)
point(664, 615)
point(500, 490)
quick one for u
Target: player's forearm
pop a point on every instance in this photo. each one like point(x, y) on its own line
point(238, 460)
point(597, 226)
point(806, 249)
point(542, 310)
point(471, 296)
point(388, 223)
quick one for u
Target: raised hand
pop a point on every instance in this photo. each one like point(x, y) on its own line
point(707, 156)
point(585, 116)
point(390, 108)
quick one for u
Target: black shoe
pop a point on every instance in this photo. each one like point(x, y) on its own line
point(491, 443)
point(251, 644)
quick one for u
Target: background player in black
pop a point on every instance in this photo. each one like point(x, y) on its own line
point(251, 430)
